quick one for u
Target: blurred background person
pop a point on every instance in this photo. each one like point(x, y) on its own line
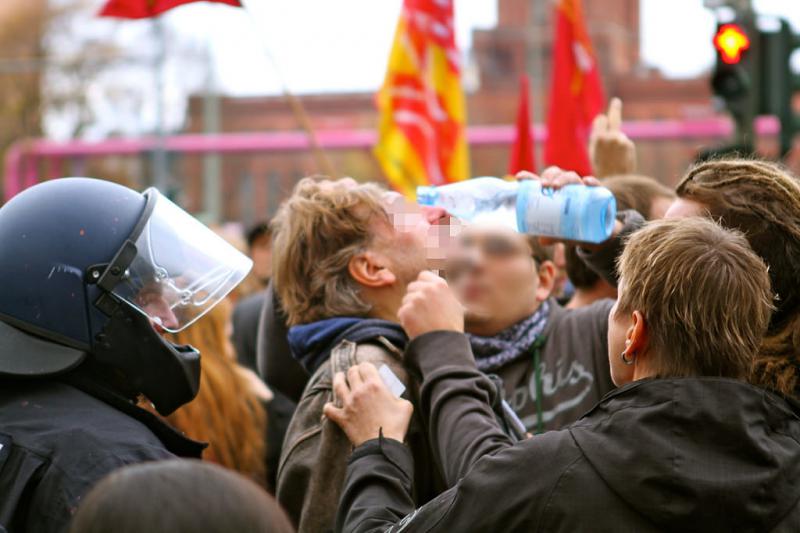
point(276, 365)
point(562, 287)
point(232, 233)
point(178, 497)
point(259, 248)
point(553, 362)
point(644, 194)
point(247, 312)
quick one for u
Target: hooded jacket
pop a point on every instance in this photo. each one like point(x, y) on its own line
point(690, 454)
point(315, 450)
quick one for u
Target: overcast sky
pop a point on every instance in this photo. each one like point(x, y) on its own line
point(328, 45)
point(325, 45)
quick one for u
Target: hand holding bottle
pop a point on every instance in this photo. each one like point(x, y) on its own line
point(556, 178)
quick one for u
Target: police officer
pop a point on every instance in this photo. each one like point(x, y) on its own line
point(92, 272)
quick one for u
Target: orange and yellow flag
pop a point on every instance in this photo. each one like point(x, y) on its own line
point(422, 111)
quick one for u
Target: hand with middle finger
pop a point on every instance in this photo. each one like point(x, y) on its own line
point(610, 150)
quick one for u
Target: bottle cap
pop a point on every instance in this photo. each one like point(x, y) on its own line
point(427, 195)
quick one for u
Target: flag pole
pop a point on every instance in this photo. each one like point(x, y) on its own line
point(160, 170)
point(295, 104)
point(537, 88)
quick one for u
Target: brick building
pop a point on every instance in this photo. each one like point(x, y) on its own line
point(253, 185)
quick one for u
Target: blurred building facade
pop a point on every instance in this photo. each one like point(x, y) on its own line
point(253, 185)
point(22, 26)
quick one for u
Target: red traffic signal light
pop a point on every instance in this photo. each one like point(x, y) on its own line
point(731, 41)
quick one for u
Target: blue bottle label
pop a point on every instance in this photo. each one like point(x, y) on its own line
point(543, 212)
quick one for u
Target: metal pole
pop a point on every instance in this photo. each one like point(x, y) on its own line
point(160, 170)
point(324, 163)
point(211, 162)
point(536, 69)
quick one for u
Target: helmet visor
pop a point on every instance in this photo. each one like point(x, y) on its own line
point(181, 270)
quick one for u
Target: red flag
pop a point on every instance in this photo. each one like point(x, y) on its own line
point(576, 95)
point(522, 157)
point(142, 9)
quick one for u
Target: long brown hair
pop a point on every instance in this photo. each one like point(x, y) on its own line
point(762, 201)
point(226, 412)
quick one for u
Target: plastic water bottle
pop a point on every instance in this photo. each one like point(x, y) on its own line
point(574, 212)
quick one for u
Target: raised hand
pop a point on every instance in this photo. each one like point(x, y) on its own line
point(610, 150)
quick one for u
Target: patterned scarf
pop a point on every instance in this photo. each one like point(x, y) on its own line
point(511, 344)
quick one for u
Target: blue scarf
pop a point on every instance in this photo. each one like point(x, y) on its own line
point(511, 344)
point(311, 344)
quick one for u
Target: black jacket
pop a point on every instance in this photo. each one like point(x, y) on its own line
point(58, 441)
point(693, 454)
point(276, 366)
point(246, 316)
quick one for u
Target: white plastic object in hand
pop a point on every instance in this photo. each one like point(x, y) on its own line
point(389, 378)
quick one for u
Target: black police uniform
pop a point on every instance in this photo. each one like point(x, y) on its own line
point(58, 441)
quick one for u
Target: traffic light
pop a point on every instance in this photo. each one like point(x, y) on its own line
point(731, 41)
point(753, 76)
point(736, 76)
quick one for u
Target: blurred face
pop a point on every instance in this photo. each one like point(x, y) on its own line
point(261, 254)
point(418, 238)
point(497, 279)
point(683, 208)
point(618, 332)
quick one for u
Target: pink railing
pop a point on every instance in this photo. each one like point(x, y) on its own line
point(21, 168)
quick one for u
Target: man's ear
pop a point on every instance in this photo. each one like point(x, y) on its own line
point(547, 280)
point(638, 335)
point(371, 269)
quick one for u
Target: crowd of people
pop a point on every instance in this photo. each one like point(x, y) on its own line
point(385, 367)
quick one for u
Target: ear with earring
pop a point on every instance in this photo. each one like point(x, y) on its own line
point(624, 355)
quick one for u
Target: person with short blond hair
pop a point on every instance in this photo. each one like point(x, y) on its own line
point(681, 273)
point(344, 254)
point(685, 444)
